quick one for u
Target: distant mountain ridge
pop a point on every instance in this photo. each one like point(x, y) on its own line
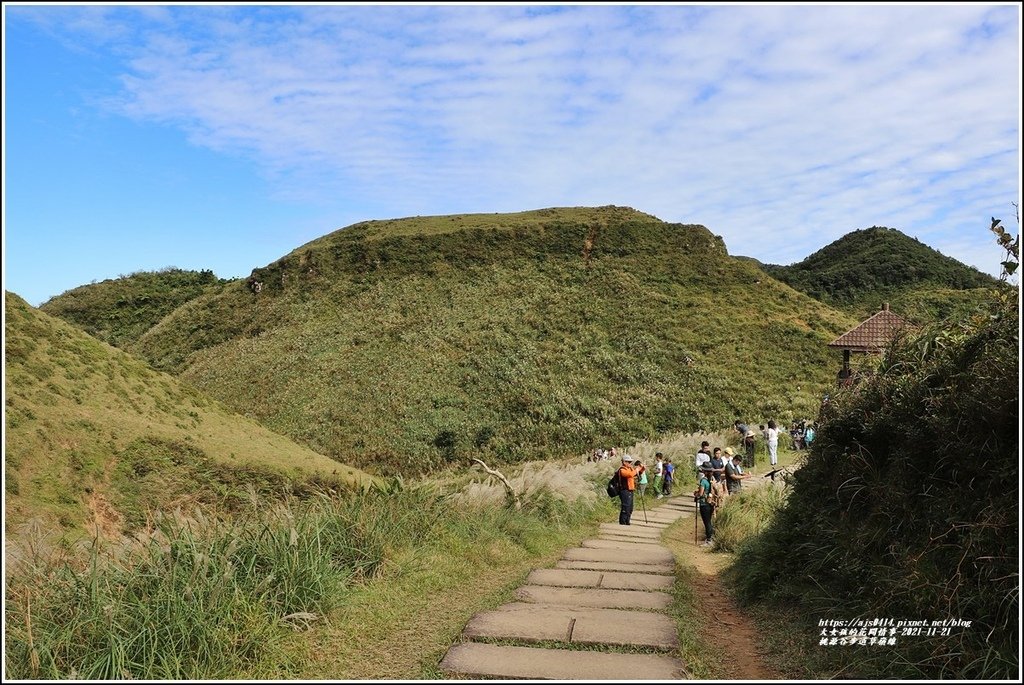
point(119, 310)
point(867, 267)
point(403, 345)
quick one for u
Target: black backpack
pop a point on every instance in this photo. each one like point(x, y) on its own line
point(614, 486)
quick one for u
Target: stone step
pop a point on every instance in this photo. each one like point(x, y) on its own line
point(635, 531)
point(662, 519)
point(627, 538)
point(593, 597)
point(597, 543)
point(528, 663)
point(632, 556)
point(647, 525)
point(621, 567)
point(532, 622)
point(601, 579)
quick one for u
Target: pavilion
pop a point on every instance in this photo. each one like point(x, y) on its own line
point(869, 337)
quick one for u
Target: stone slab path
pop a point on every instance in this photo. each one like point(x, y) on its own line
point(609, 593)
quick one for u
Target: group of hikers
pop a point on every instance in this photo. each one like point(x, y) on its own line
point(719, 472)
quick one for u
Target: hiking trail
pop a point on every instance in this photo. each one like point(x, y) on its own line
point(599, 614)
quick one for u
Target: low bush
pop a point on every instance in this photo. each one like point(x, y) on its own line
point(907, 506)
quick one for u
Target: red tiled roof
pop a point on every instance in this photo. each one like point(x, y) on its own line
point(872, 335)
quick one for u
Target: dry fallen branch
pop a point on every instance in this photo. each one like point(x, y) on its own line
point(509, 490)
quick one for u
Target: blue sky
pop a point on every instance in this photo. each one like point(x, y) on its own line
point(221, 138)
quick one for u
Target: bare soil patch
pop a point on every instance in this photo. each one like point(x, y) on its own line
point(727, 625)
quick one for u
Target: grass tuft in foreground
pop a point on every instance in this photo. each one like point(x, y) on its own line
point(202, 598)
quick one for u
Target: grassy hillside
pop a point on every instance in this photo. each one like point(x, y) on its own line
point(908, 507)
point(401, 345)
point(95, 437)
point(865, 268)
point(120, 310)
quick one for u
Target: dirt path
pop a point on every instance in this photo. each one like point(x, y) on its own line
point(726, 620)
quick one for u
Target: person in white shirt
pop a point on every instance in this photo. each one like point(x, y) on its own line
point(773, 443)
point(703, 456)
point(659, 473)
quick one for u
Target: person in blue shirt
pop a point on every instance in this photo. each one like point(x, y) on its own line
point(670, 476)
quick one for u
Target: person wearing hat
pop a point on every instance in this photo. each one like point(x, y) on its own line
point(627, 484)
point(705, 506)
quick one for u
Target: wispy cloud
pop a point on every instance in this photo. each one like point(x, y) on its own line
point(780, 128)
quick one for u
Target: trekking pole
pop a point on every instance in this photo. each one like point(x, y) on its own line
point(696, 509)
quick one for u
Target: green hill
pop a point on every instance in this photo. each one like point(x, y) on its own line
point(865, 268)
point(119, 310)
point(96, 437)
point(402, 345)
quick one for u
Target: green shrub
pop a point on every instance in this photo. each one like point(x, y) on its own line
point(906, 506)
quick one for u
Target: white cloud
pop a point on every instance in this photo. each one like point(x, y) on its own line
point(780, 128)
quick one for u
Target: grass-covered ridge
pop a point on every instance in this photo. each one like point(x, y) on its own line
point(94, 437)
point(865, 268)
point(402, 345)
point(908, 507)
point(119, 310)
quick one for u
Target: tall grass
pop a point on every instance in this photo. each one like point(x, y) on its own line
point(205, 598)
point(745, 513)
point(210, 598)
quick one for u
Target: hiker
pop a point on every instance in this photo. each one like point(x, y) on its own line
point(748, 448)
point(642, 473)
point(772, 435)
point(670, 472)
point(703, 496)
point(809, 436)
point(716, 467)
point(719, 492)
point(627, 484)
point(797, 433)
point(659, 474)
point(734, 475)
point(703, 456)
